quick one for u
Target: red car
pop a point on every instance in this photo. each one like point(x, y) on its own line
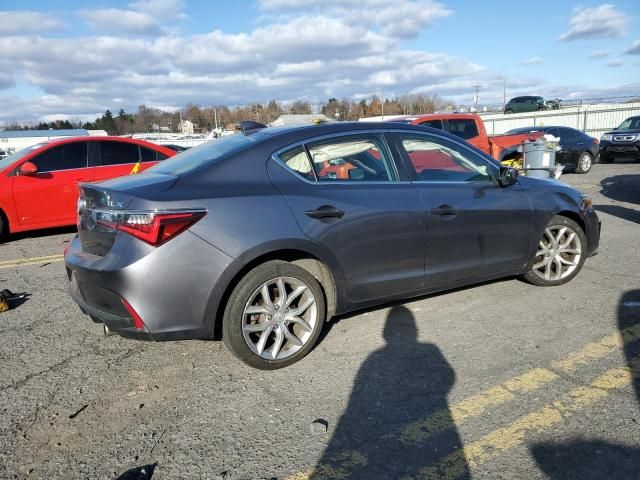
point(38, 185)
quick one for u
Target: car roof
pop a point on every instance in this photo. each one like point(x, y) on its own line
point(137, 141)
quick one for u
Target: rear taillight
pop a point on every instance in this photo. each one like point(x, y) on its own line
point(155, 228)
point(596, 141)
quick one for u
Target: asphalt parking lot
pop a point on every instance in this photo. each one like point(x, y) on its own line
point(502, 380)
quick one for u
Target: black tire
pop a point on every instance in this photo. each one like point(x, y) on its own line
point(4, 227)
point(508, 111)
point(558, 222)
point(605, 159)
point(234, 315)
point(585, 162)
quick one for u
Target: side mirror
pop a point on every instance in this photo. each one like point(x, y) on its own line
point(28, 168)
point(508, 176)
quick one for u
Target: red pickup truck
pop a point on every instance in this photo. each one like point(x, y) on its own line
point(470, 127)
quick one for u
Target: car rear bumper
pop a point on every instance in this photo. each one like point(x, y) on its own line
point(168, 288)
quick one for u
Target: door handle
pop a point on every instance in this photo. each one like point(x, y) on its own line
point(325, 211)
point(444, 211)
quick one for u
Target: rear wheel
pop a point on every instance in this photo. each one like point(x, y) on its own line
point(585, 162)
point(561, 253)
point(274, 315)
point(4, 227)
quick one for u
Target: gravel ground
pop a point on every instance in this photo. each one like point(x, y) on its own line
point(77, 405)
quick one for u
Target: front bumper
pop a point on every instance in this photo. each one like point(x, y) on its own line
point(169, 287)
point(621, 149)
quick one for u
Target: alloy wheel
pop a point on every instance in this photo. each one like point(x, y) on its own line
point(279, 318)
point(585, 162)
point(559, 253)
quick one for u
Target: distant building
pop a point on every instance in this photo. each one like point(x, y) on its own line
point(302, 119)
point(15, 140)
point(186, 127)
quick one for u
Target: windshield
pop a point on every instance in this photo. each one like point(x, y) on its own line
point(207, 153)
point(6, 161)
point(632, 123)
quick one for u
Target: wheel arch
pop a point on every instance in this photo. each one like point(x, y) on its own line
point(307, 255)
point(575, 217)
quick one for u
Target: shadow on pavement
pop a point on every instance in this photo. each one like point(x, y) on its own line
point(383, 433)
point(587, 459)
point(622, 188)
point(139, 473)
point(624, 213)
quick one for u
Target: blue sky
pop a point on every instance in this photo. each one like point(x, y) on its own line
point(74, 59)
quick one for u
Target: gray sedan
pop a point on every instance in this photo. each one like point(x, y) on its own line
point(261, 237)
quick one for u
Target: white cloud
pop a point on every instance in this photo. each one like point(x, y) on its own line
point(118, 20)
point(398, 19)
point(600, 54)
point(532, 61)
point(603, 21)
point(617, 62)
point(634, 49)
point(23, 22)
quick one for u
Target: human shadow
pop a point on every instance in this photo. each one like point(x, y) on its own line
point(595, 459)
point(397, 423)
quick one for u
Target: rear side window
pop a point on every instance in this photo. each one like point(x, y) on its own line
point(118, 153)
point(567, 134)
point(433, 124)
point(360, 158)
point(463, 128)
point(62, 157)
point(297, 160)
point(149, 155)
point(440, 161)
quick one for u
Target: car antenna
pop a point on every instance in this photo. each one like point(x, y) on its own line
point(247, 127)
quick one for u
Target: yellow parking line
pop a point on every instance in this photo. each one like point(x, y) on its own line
point(480, 451)
point(476, 404)
point(31, 261)
point(476, 453)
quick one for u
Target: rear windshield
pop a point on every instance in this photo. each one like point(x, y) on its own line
point(207, 153)
point(6, 161)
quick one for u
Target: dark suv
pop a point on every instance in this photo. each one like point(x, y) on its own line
point(525, 104)
point(623, 141)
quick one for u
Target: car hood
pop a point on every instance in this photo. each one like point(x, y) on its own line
point(630, 131)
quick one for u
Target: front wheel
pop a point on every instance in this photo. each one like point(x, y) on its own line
point(561, 253)
point(606, 159)
point(585, 162)
point(274, 315)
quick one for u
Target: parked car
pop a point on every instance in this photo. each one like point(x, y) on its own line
point(254, 237)
point(38, 184)
point(530, 104)
point(578, 152)
point(470, 127)
point(624, 141)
